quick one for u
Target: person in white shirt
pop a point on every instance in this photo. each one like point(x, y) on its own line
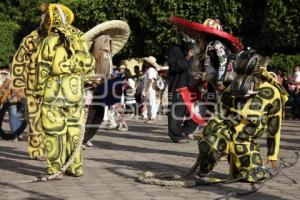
point(149, 91)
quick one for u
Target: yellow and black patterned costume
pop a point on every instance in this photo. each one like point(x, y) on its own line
point(64, 64)
point(23, 78)
point(241, 120)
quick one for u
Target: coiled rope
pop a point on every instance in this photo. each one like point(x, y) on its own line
point(162, 179)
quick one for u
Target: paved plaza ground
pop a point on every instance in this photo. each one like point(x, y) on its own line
point(111, 168)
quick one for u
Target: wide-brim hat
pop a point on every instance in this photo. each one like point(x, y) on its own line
point(163, 68)
point(152, 61)
point(122, 67)
point(188, 26)
point(118, 30)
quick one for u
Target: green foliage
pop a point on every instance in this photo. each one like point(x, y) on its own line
point(88, 13)
point(281, 25)
point(269, 26)
point(286, 62)
point(8, 32)
point(23, 12)
point(152, 34)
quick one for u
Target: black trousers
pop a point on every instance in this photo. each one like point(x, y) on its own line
point(94, 120)
point(295, 103)
point(179, 122)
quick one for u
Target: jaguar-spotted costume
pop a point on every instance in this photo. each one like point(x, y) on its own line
point(64, 64)
point(238, 123)
point(23, 71)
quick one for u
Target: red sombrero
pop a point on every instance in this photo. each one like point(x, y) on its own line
point(184, 24)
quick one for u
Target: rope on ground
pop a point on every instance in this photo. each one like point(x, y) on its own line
point(163, 179)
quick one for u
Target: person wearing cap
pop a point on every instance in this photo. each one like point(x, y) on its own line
point(64, 65)
point(122, 69)
point(149, 91)
point(249, 107)
point(180, 61)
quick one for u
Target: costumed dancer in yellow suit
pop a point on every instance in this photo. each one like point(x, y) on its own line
point(23, 72)
point(64, 64)
point(250, 106)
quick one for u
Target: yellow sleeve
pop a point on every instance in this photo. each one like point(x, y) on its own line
point(20, 64)
point(44, 63)
point(274, 126)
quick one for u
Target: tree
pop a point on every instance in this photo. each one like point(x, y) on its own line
point(269, 26)
point(152, 34)
point(8, 32)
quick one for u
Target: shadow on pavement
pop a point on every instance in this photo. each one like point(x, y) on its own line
point(7, 162)
point(9, 152)
point(285, 147)
point(224, 190)
point(126, 135)
point(291, 140)
point(141, 166)
point(120, 147)
point(33, 195)
point(148, 128)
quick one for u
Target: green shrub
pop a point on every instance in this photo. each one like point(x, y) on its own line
point(8, 32)
point(286, 62)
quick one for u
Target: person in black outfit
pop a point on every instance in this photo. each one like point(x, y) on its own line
point(205, 54)
point(180, 60)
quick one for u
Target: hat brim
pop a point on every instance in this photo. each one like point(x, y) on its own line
point(187, 26)
point(118, 30)
point(164, 68)
point(151, 62)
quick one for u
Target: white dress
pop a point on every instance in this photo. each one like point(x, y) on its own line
point(151, 74)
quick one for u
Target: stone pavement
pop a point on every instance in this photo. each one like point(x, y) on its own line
point(113, 165)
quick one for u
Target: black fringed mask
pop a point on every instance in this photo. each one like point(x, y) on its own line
point(244, 86)
point(246, 62)
point(187, 42)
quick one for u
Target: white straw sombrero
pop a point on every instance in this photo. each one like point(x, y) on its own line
point(118, 30)
point(152, 61)
point(163, 68)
